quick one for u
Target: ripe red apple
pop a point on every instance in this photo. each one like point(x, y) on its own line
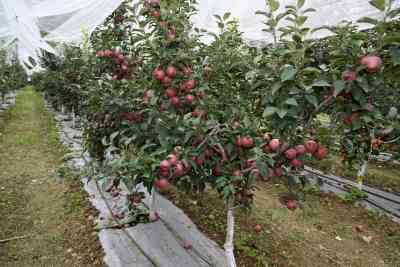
point(153, 216)
point(247, 142)
point(171, 71)
point(190, 84)
point(321, 153)
point(156, 13)
point(349, 76)
point(161, 184)
point(296, 163)
point(267, 149)
point(311, 146)
point(291, 153)
point(124, 68)
point(217, 171)
point(167, 81)
point(291, 204)
point(179, 170)
point(165, 165)
point(208, 153)
point(274, 144)
point(108, 53)
point(372, 63)
point(278, 171)
point(170, 93)
point(175, 101)
point(199, 160)
point(189, 99)
point(158, 74)
point(164, 173)
point(258, 228)
point(301, 150)
point(100, 53)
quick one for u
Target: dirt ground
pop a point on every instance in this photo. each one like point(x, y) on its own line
point(40, 200)
point(324, 232)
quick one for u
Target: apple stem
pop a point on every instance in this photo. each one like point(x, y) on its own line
point(362, 170)
point(230, 256)
point(153, 204)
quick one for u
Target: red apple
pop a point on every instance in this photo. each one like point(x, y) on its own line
point(349, 76)
point(372, 63)
point(296, 163)
point(189, 99)
point(278, 171)
point(321, 153)
point(291, 153)
point(173, 159)
point(274, 144)
point(311, 146)
point(171, 71)
point(158, 74)
point(301, 150)
point(161, 184)
point(165, 165)
point(170, 93)
point(175, 101)
point(167, 81)
point(258, 228)
point(291, 205)
point(247, 142)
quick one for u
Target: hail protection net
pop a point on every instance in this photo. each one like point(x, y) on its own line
point(28, 25)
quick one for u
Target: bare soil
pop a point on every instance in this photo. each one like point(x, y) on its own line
point(323, 232)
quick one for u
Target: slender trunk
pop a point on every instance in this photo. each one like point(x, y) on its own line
point(230, 230)
point(62, 108)
point(362, 170)
point(73, 117)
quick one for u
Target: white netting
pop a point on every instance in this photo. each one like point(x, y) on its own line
point(64, 20)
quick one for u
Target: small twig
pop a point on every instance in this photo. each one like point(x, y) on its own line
point(14, 238)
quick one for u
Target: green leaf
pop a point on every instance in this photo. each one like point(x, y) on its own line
point(227, 15)
point(269, 111)
point(368, 20)
point(309, 10)
point(288, 73)
point(282, 113)
point(273, 5)
point(312, 100)
point(395, 53)
point(312, 70)
point(321, 83)
point(339, 86)
point(300, 3)
point(275, 87)
point(379, 4)
point(292, 102)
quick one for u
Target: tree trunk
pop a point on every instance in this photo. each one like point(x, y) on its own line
point(230, 230)
point(362, 170)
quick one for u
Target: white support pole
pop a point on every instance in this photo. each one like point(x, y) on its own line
point(153, 205)
point(73, 117)
point(230, 230)
point(362, 170)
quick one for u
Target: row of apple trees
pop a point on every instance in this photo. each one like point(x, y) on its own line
point(12, 75)
point(160, 107)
